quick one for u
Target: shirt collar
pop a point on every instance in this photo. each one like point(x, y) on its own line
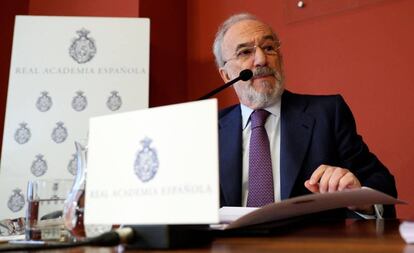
point(246, 112)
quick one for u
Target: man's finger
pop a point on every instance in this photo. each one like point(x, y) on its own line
point(348, 181)
point(317, 174)
point(324, 181)
point(335, 178)
point(314, 188)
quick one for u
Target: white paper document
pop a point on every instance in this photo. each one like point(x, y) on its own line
point(154, 166)
point(236, 217)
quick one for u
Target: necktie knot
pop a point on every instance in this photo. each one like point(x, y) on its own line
point(259, 117)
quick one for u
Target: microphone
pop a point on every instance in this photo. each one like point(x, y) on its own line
point(244, 75)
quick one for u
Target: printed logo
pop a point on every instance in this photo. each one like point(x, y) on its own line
point(44, 102)
point(146, 161)
point(114, 101)
point(79, 102)
point(16, 200)
point(83, 48)
point(72, 165)
point(39, 166)
point(22, 134)
point(60, 133)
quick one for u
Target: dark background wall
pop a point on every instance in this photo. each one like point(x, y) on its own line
point(362, 49)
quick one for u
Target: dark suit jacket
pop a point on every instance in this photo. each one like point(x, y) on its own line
point(315, 130)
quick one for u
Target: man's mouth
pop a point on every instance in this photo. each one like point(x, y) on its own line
point(262, 72)
point(261, 76)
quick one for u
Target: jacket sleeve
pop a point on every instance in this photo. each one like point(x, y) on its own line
point(355, 155)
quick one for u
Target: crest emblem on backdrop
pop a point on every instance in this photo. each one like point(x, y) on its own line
point(72, 165)
point(16, 200)
point(59, 133)
point(79, 102)
point(22, 134)
point(146, 161)
point(114, 101)
point(83, 48)
point(39, 166)
point(44, 102)
point(55, 189)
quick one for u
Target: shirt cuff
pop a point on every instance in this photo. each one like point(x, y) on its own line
point(379, 211)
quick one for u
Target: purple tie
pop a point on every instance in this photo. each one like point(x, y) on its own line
point(260, 163)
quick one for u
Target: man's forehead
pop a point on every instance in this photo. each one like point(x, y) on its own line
point(246, 31)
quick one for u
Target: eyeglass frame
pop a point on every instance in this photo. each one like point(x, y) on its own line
point(236, 56)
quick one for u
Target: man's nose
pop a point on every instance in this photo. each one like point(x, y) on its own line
point(260, 58)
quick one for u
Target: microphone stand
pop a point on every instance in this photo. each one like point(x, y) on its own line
point(244, 75)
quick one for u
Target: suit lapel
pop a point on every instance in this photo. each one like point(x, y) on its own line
point(296, 132)
point(230, 131)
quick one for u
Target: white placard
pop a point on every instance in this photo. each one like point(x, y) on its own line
point(154, 166)
point(63, 71)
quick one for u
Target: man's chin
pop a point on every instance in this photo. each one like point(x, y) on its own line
point(259, 95)
point(264, 84)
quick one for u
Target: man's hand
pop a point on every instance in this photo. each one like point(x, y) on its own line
point(332, 179)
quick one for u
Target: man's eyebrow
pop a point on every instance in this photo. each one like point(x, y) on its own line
point(247, 44)
point(269, 37)
point(242, 45)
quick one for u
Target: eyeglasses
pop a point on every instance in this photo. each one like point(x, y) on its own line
point(246, 53)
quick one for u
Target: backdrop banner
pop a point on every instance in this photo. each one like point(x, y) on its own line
point(63, 71)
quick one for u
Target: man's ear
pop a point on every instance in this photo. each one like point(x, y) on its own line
point(224, 75)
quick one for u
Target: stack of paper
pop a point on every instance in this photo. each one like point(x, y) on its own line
point(238, 217)
point(407, 231)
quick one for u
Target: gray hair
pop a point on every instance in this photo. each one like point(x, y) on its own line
point(223, 30)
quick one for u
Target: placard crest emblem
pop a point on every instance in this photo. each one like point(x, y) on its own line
point(146, 161)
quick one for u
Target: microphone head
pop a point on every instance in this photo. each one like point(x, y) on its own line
point(246, 74)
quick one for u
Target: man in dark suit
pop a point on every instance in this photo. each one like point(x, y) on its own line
point(312, 145)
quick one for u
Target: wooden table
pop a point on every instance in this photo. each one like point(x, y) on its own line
point(347, 236)
point(340, 236)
